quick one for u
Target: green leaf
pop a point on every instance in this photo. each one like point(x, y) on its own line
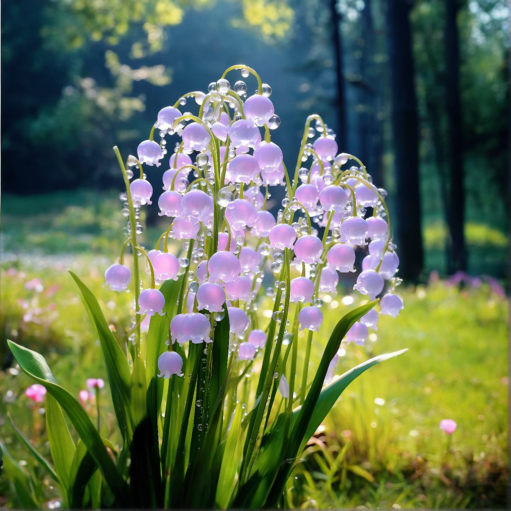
point(42, 461)
point(229, 470)
point(115, 360)
point(62, 446)
point(82, 469)
point(305, 414)
point(332, 391)
point(36, 367)
point(21, 482)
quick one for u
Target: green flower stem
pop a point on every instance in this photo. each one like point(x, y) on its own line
point(151, 135)
point(250, 70)
point(288, 182)
point(363, 167)
point(267, 134)
point(294, 358)
point(183, 168)
point(293, 214)
point(194, 94)
point(133, 224)
point(305, 370)
point(185, 279)
point(302, 146)
point(97, 406)
point(239, 100)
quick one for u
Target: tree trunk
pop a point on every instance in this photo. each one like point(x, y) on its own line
point(405, 121)
point(455, 138)
point(339, 75)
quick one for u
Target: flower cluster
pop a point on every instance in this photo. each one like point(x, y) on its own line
point(220, 176)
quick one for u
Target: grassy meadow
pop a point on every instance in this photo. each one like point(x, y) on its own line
point(380, 447)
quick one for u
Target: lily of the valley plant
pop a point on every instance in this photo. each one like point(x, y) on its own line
point(215, 400)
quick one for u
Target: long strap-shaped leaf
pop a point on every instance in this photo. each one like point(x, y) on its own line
point(35, 366)
point(333, 390)
point(115, 360)
point(35, 453)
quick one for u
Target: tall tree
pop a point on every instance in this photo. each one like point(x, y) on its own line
point(339, 74)
point(455, 138)
point(405, 121)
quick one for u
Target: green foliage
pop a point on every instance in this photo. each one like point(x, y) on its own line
point(202, 478)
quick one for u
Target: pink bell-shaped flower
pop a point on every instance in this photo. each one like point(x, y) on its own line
point(376, 228)
point(250, 259)
point(326, 148)
point(366, 197)
point(169, 363)
point(223, 238)
point(259, 109)
point(238, 320)
point(369, 283)
point(370, 319)
point(193, 327)
point(181, 182)
point(391, 305)
point(245, 134)
point(376, 247)
point(141, 191)
point(389, 265)
point(149, 152)
point(36, 392)
point(246, 351)
point(224, 267)
point(301, 290)
point(269, 156)
point(307, 195)
point(220, 131)
point(354, 230)
point(309, 249)
point(166, 118)
point(239, 289)
point(264, 224)
point(357, 333)
point(95, 383)
point(153, 253)
point(257, 338)
point(211, 297)
point(202, 272)
point(151, 302)
point(186, 228)
point(170, 203)
point(197, 203)
point(342, 258)
point(166, 267)
point(310, 318)
point(196, 137)
point(284, 387)
point(275, 178)
point(243, 169)
point(334, 198)
point(190, 302)
point(282, 236)
point(240, 214)
point(181, 160)
point(329, 280)
point(117, 277)
point(448, 426)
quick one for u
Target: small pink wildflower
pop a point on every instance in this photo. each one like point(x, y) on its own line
point(36, 393)
point(95, 383)
point(448, 426)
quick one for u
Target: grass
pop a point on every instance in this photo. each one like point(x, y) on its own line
point(380, 447)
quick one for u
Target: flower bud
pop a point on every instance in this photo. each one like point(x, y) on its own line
point(310, 318)
point(169, 363)
point(36, 393)
point(117, 277)
point(149, 152)
point(238, 320)
point(257, 338)
point(357, 333)
point(210, 297)
point(391, 305)
point(151, 302)
point(246, 351)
